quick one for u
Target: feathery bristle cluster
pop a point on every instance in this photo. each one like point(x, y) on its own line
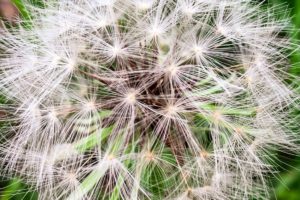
point(145, 99)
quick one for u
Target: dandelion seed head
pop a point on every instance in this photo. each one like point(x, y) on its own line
point(146, 99)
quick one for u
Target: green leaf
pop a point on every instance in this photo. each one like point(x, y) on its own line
point(92, 140)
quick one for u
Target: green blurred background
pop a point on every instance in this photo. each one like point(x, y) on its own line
point(286, 183)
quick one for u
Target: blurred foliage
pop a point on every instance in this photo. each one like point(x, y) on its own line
point(286, 182)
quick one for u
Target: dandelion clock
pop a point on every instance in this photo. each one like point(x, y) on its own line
point(145, 99)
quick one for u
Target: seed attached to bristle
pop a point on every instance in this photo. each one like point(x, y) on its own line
point(171, 70)
point(130, 97)
point(171, 110)
point(149, 156)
